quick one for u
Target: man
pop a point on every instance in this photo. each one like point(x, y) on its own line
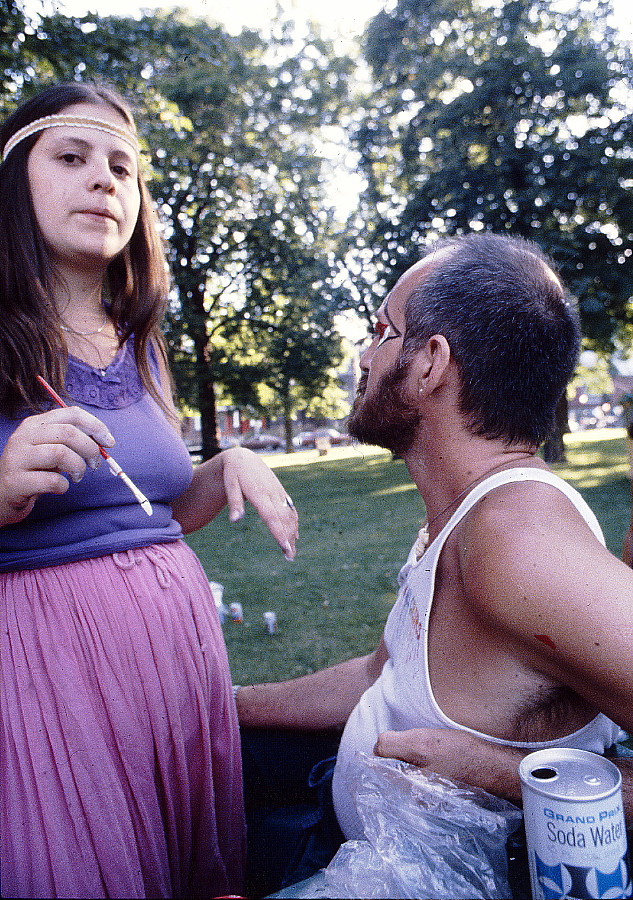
point(513, 623)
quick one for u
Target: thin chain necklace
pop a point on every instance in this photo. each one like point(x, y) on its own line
point(422, 540)
point(70, 330)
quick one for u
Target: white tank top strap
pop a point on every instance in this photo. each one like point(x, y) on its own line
point(509, 476)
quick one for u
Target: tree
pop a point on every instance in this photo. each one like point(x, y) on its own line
point(13, 23)
point(232, 123)
point(250, 210)
point(512, 115)
point(301, 353)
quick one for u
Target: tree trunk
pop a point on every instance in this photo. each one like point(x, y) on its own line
point(554, 446)
point(210, 444)
point(288, 425)
point(208, 420)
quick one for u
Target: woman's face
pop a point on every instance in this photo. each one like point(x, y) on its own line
point(84, 190)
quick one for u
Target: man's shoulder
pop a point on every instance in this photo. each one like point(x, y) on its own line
point(521, 540)
point(536, 503)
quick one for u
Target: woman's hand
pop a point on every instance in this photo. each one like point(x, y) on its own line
point(40, 449)
point(247, 478)
point(231, 478)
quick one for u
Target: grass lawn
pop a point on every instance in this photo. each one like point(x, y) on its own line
point(358, 516)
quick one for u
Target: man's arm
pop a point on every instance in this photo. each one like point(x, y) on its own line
point(475, 761)
point(457, 755)
point(536, 574)
point(317, 701)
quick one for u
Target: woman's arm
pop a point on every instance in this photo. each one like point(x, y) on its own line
point(231, 478)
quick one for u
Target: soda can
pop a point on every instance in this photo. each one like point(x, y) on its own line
point(270, 620)
point(574, 825)
point(217, 590)
point(223, 611)
point(235, 610)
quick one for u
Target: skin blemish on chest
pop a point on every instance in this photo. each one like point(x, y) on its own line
point(544, 639)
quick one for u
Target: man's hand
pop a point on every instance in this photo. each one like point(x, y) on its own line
point(459, 756)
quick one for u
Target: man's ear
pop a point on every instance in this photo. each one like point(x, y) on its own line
point(431, 364)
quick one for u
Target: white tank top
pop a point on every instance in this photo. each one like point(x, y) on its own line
point(401, 697)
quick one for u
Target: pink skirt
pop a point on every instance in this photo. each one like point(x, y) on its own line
point(120, 770)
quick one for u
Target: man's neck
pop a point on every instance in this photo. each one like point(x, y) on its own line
point(445, 470)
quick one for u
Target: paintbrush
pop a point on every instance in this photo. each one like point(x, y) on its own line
point(113, 465)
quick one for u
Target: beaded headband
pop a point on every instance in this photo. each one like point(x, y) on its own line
point(70, 122)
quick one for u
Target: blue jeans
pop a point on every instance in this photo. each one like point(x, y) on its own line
point(292, 830)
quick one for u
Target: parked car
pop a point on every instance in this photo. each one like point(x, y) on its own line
point(306, 439)
point(262, 441)
point(335, 436)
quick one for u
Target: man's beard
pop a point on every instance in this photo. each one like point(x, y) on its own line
point(387, 419)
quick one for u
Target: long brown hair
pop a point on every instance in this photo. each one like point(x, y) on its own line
point(31, 340)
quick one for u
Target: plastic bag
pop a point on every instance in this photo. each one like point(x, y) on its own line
point(426, 837)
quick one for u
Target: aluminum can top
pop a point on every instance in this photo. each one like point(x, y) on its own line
point(566, 774)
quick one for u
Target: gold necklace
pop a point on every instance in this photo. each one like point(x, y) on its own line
point(422, 540)
point(70, 330)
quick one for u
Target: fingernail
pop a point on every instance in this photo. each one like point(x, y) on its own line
point(289, 553)
point(94, 463)
point(235, 515)
point(76, 476)
point(109, 440)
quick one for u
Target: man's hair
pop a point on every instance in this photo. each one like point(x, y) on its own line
point(31, 341)
point(513, 333)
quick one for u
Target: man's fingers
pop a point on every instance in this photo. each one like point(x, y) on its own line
point(420, 746)
point(398, 745)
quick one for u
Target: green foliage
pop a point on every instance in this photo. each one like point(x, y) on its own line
point(15, 59)
point(595, 378)
point(248, 227)
point(504, 114)
point(515, 116)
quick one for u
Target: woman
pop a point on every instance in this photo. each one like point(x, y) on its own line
point(120, 768)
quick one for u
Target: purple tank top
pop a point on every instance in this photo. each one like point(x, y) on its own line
point(99, 515)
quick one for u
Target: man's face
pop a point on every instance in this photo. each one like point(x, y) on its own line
point(384, 413)
point(386, 417)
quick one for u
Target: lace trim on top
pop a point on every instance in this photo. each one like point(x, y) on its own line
point(116, 386)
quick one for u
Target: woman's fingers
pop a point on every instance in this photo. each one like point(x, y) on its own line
point(72, 426)
point(43, 447)
point(248, 478)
